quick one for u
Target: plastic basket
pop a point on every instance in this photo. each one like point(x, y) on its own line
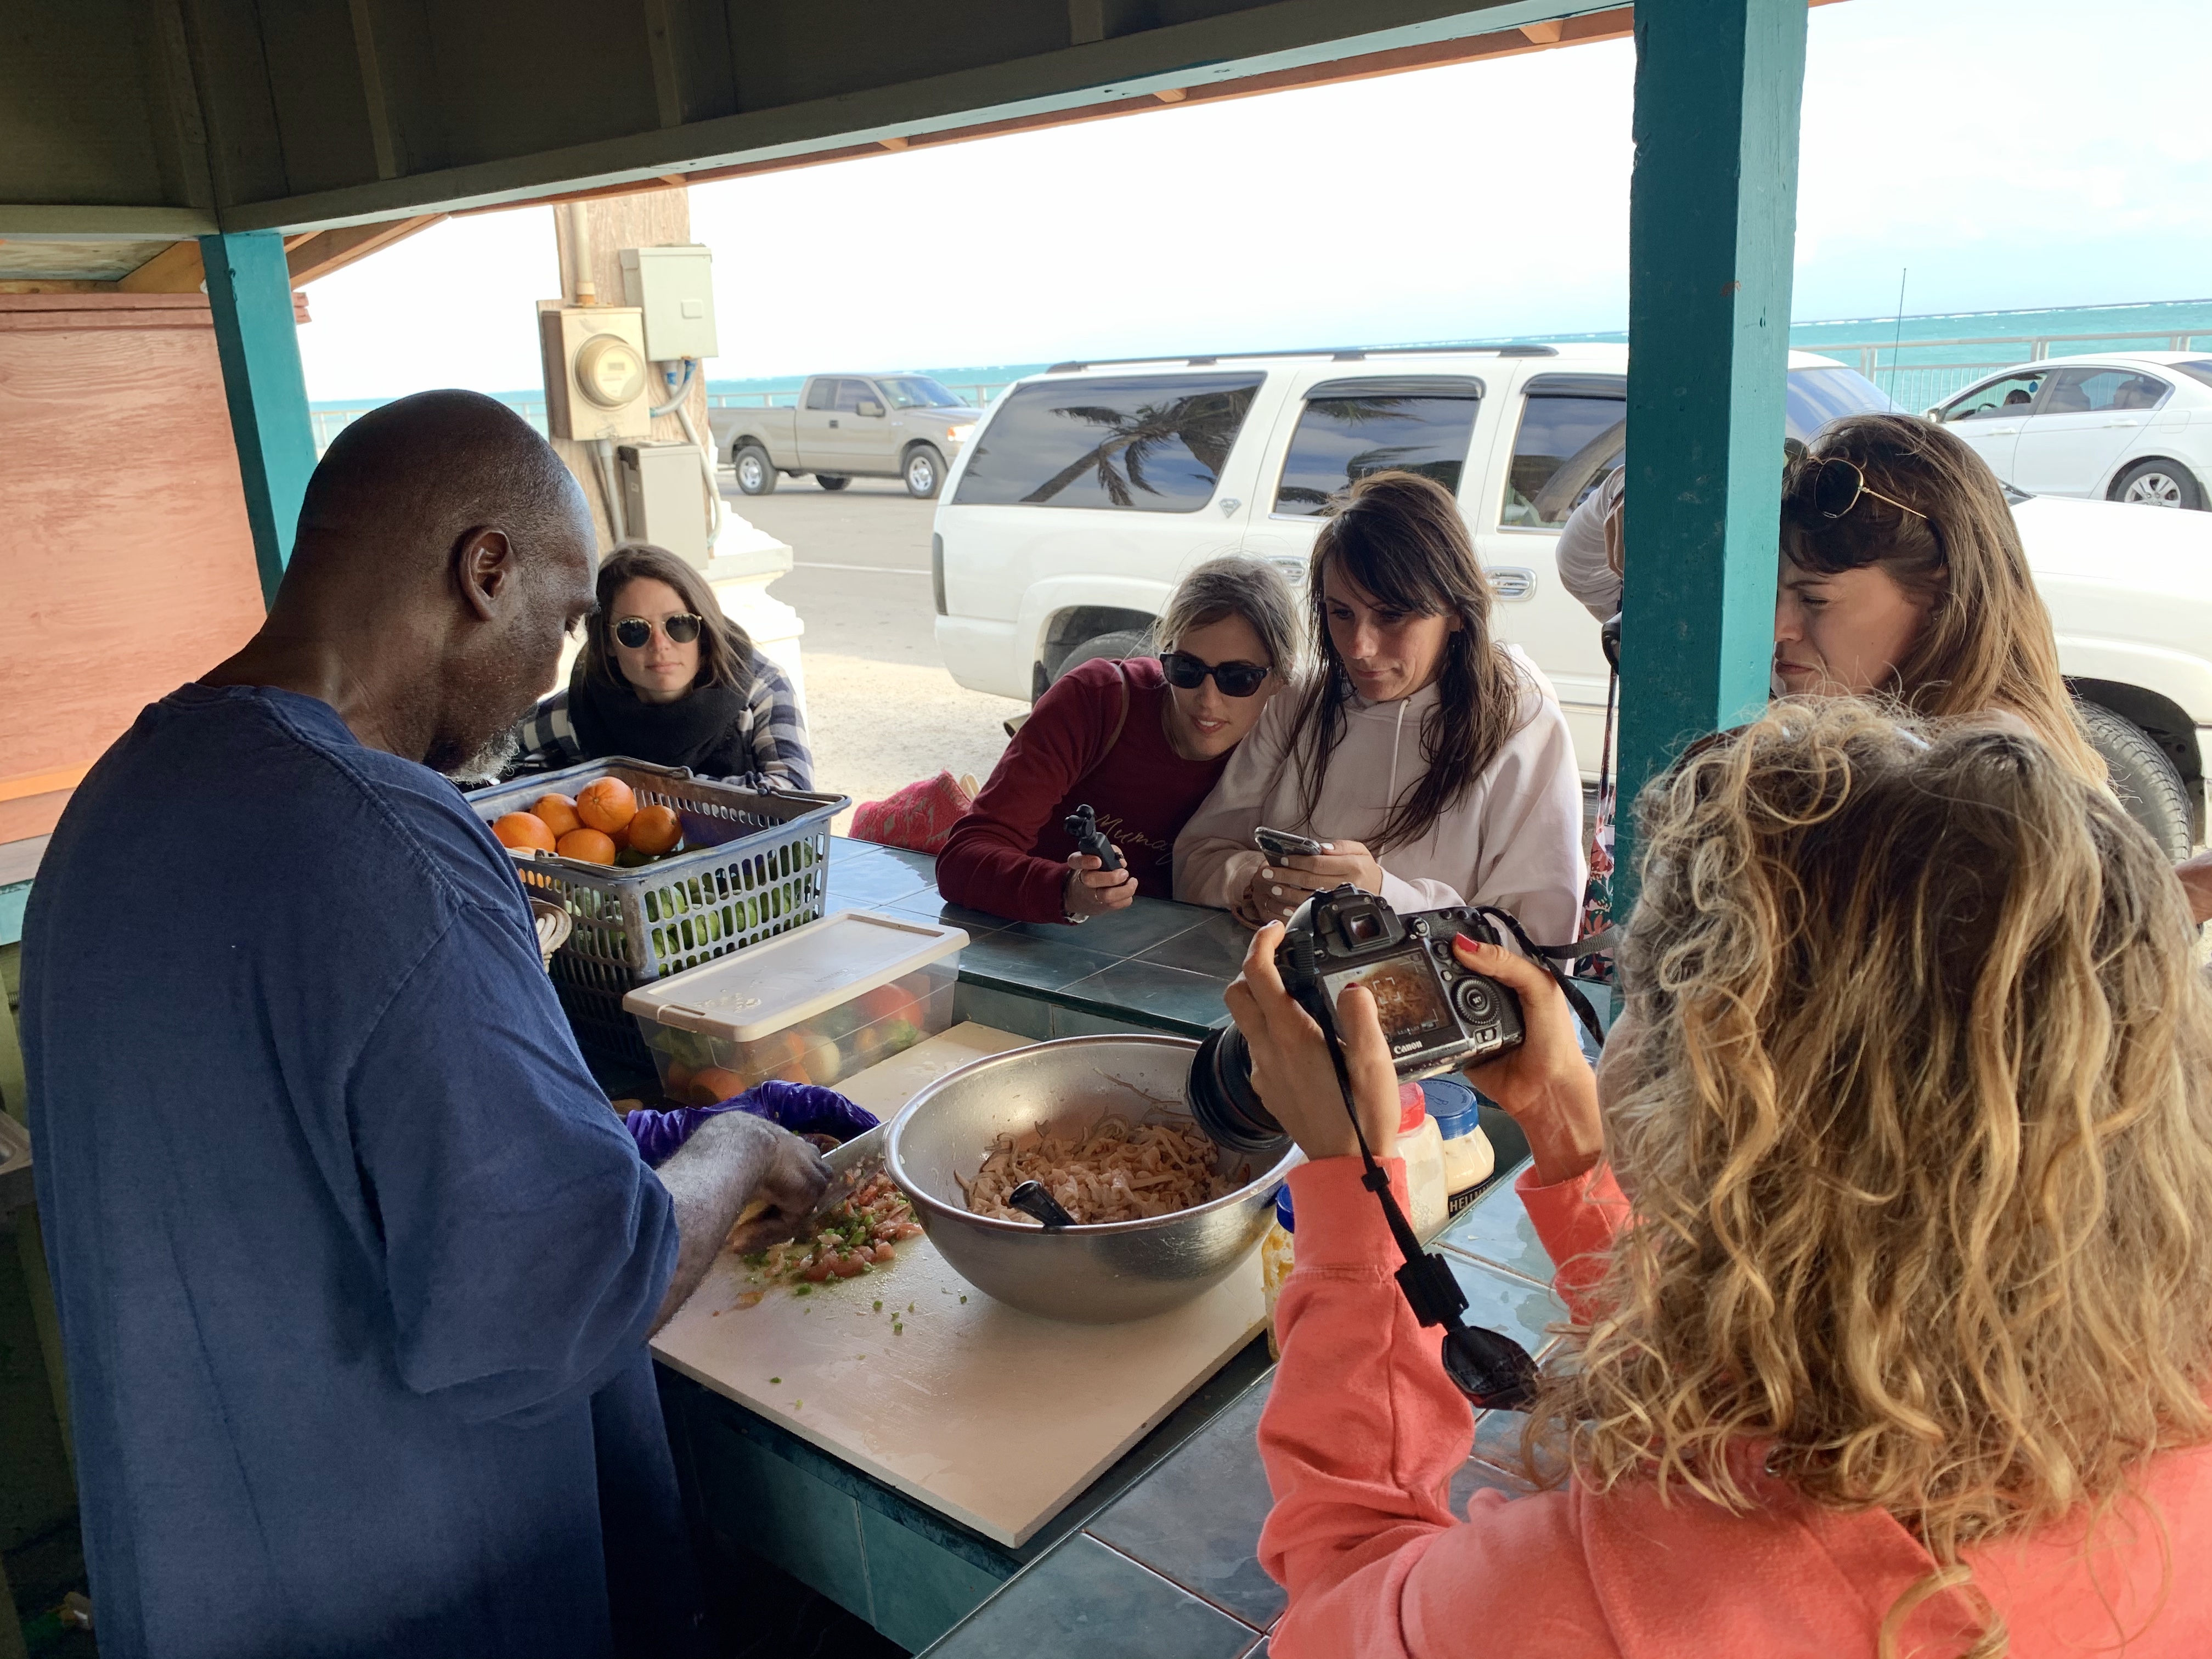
point(758, 865)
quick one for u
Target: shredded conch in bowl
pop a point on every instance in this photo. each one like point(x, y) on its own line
point(1116, 1171)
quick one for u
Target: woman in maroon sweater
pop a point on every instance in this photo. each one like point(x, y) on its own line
point(1140, 742)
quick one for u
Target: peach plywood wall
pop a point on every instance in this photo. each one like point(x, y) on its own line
point(126, 566)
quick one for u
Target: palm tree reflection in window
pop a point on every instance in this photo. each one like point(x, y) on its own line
point(1203, 424)
point(1427, 435)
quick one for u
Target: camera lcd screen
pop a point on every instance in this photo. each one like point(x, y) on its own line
point(1406, 996)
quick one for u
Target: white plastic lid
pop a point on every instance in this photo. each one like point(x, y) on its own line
point(758, 991)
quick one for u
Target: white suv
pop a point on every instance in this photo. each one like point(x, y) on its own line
point(1088, 489)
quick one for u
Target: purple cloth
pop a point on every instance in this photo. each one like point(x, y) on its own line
point(801, 1108)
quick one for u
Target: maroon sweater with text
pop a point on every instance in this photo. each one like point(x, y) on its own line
point(1008, 855)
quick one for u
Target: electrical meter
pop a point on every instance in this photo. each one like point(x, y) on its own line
point(596, 381)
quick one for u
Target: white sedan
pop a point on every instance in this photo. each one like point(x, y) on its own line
point(2125, 425)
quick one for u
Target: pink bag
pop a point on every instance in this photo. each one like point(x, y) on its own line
point(918, 817)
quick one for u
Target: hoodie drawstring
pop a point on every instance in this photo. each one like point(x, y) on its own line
point(1397, 731)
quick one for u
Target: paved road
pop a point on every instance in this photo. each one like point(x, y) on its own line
point(881, 709)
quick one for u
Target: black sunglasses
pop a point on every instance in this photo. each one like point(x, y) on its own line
point(1826, 490)
point(636, 631)
point(1236, 679)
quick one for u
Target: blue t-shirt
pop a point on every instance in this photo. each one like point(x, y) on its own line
point(344, 1238)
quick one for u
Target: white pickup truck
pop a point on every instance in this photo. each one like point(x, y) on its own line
point(1089, 489)
point(848, 426)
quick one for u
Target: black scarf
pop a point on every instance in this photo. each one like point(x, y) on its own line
point(703, 731)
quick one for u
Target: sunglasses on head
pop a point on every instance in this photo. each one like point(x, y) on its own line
point(1824, 491)
point(1236, 679)
point(636, 632)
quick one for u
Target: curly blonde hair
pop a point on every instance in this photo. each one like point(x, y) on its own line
point(1916, 1124)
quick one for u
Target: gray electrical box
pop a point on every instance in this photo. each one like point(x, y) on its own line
point(675, 288)
point(664, 491)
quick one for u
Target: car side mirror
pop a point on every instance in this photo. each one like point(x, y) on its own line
point(870, 407)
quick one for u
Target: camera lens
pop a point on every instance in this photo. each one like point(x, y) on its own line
point(1221, 1098)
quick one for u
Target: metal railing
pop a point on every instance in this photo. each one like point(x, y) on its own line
point(975, 396)
point(1916, 387)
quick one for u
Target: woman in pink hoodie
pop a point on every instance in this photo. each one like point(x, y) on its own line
point(1886, 1228)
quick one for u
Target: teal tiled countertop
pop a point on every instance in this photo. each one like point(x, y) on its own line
point(1155, 966)
point(1169, 1568)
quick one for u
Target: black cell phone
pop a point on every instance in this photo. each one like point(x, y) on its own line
point(1280, 844)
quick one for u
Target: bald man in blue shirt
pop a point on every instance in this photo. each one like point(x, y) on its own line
point(354, 1265)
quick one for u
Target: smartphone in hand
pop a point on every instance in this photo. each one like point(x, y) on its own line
point(1280, 844)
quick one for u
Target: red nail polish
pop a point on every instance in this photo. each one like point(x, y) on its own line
point(1462, 938)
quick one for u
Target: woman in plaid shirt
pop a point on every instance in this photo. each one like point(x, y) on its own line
point(664, 677)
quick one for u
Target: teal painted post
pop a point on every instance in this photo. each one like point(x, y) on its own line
point(250, 289)
point(1712, 223)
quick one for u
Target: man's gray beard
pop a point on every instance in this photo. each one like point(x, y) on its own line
point(488, 762)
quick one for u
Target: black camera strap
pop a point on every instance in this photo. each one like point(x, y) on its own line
point(1491, 1370)
point(1549, 957)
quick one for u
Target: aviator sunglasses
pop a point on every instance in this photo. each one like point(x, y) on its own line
point(636, 632)
point(1236, 679)
point(1826, 490)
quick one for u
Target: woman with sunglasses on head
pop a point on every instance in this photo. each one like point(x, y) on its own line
point(1431, 761)
point(1882, 1230)
point(664, 677)
point(1139, 742)
point(1903, 576)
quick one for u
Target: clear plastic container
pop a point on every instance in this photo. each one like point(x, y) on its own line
point(1422, 1146)
point(1277, 1258)
point(813, 1006)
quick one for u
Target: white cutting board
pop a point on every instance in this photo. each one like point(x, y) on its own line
point(990, 1415)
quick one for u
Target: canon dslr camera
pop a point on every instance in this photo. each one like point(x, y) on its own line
point(1436, 1016)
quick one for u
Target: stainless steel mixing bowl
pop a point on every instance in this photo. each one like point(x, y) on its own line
point(1093, 1275)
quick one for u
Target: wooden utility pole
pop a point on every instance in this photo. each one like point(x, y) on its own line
point(657, 218)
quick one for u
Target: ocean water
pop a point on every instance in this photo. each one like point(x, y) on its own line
point(1904, 370)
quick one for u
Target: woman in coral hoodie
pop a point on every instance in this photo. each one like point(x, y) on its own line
point(1883, 1229)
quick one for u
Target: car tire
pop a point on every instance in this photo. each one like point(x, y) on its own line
point(1124, 643)
point(924, 472)
point(2143, 779)
point(755, 472)
point(829, 481)
point(2160, 484)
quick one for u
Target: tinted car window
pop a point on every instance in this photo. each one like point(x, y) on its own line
point(1350, 428)
point(1149, 444)
point(1995, 399)
point(917, 392)
point(852, 393)
point(2199, 369)
point(1563, 451)
point(822, 393)
point(1815, 397)
point(2093, 390)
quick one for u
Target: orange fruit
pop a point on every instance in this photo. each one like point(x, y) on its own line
point(655, 829)
point(590, 846)
point(559, 813)
point(523, 831)
point(620, 837)
point(713, 1086)
point(607, 805)
point(889, 1001)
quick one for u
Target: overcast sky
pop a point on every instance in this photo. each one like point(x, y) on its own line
point(2010, 153)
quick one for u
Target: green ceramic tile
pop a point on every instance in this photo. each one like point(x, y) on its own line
point(871, 884)
point(1216, 946)
point(1024, 962)
point(925, 862)
point(1005, 1011)
point(1495, 1229)
point(1506, 1302)
point(1190, 1002)
point(784, 1514)
point(1196, 1518)
point(1476, 1473)
point(927, 905)
point(1144, 924)
point(1081, 1022)
point(919, 1591)
point(1084, 1600)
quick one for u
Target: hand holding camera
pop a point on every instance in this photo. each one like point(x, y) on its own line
point(1291, 1067)
point(1097, 880)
